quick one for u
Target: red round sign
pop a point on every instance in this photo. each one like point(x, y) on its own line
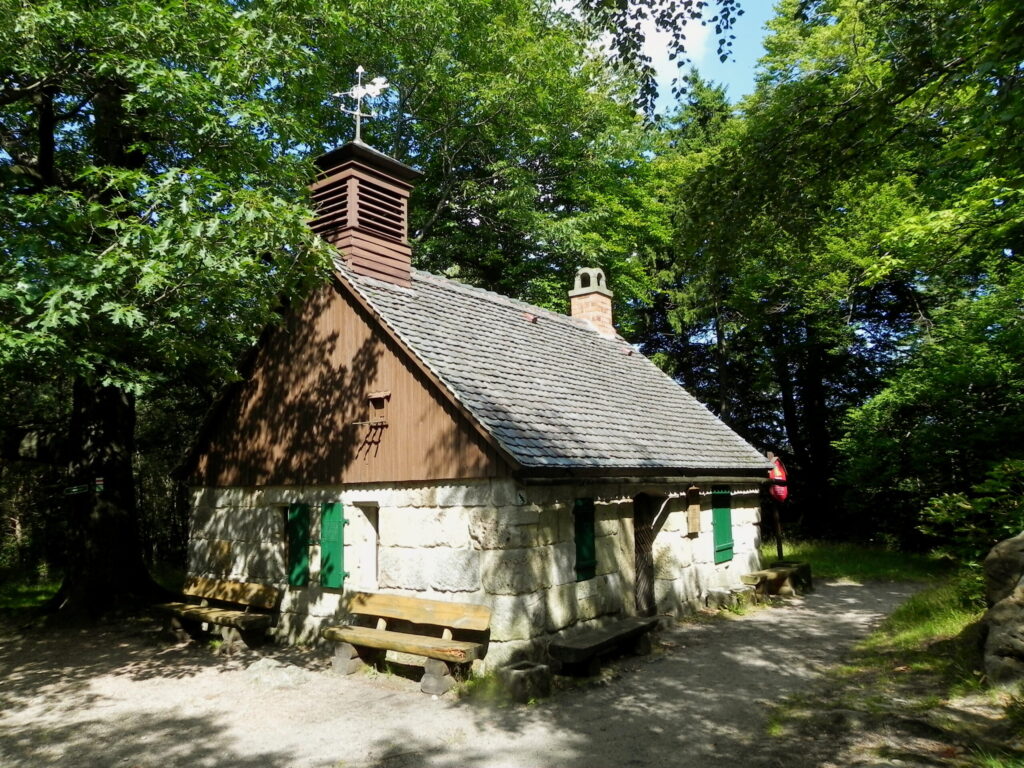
point(778, 485)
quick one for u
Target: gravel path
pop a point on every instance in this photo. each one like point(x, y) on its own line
point(122, 698)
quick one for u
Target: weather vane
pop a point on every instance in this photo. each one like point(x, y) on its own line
point(358, 92)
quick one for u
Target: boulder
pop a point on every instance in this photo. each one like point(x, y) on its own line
point(1004, 642)
point(1004, 568)
point(1004, 621)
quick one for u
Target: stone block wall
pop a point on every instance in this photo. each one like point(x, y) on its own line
point(494, 542)
point(685, 571)
point(240, 541)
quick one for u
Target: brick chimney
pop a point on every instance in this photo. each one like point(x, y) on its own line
point(591, 300)
point(361, 197)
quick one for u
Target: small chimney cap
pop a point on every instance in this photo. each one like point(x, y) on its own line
point(590, 280)
point(357, 150)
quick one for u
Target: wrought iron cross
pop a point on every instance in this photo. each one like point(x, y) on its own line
point(358, 92)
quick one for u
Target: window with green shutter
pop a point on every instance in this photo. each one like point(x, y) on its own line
point(586, 549)
point(721, 520)
point(332, 545)
point(297, 538)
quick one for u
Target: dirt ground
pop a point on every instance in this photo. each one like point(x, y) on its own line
point(121, 696)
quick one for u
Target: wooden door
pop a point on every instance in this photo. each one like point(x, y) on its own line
point(644, 508)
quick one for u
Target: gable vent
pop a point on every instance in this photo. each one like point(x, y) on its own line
point(361, 197)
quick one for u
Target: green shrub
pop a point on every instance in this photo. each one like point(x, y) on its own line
point(968, 526)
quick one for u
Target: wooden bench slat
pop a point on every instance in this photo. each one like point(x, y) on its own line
point(219, 616)
point(417, 610)
point(594, 642)
point(242, 593)
point(433, 647)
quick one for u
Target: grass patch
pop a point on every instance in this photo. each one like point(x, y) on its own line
point(774, 729)
point(941, 612)
point(988, 760)
point(914, 684)
point(23, 595)
point(834, 560)
point(936, 633)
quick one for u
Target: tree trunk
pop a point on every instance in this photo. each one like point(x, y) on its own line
point(784, 380)
point(105, 567)
point(722, 371)
point(812, 375)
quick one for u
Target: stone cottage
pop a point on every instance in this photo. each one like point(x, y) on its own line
point(401, 432)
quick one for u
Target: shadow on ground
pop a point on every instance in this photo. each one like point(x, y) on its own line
point(148, 739)
point(48, 683)
point(87, 699)
point(699, 701)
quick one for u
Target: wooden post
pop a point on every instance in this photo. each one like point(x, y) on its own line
point(778, 520)
point(693, 511)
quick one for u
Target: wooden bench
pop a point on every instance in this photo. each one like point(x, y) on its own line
point(240, 609)
point(358, 644)
point(781, 578)
point(583, 651)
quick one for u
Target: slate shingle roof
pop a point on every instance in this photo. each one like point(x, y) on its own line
point(553, 393)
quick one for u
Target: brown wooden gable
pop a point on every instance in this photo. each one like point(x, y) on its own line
point(335, 399)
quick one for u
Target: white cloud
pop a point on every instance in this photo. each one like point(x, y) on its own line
point(658, 44)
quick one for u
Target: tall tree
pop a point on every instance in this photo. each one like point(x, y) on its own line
point(153, 163)
point(858, 204)
point(151, 218)
point(523, 134)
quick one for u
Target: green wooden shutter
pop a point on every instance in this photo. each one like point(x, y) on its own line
point(332, 545)
point(586, 548)
point(721, 508)
point(297, 534)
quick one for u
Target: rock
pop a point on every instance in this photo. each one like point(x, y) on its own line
point(798, 575)
point(1004, 644)
point(742, 596)
point(1004, 569)
point(717, 598)
point(1004, 621)
point(526, 680)
point(519, 617)
point(268, 673)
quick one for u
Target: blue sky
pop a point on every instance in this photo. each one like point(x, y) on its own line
point(737, 73)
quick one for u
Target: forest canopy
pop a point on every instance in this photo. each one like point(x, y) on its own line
point(847, 253)
point(832, 265)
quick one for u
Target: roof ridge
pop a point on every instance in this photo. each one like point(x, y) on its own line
point(486, 294)
point(497, 298)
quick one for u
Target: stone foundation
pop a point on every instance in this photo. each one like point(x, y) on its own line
point(494, 542)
